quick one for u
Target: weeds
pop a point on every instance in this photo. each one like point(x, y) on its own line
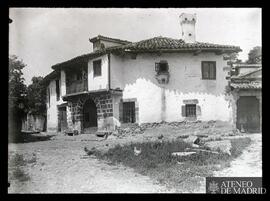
point(16, 164)
point(156, 159)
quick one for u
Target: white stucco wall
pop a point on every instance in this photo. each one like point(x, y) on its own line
point(100, 82)
point(63, 83)
point(138, 81)
point(52, 118)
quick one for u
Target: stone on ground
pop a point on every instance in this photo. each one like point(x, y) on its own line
point(223, 146)
point(192, 140)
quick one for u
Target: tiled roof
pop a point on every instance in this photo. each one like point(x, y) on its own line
point(164, 43)
point(153, 44)
point(246, 74)
point(250, 85)
point(108, 39)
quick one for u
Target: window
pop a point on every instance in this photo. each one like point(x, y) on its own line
point(129, 112)
point(162, 67)
point(57, 89)
point(190, 110)
point(97, 68)
point(208, 70)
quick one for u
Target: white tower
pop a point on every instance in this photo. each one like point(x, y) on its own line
point(187, 22)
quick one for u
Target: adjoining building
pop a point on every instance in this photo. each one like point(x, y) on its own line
point(153, 80)
point(246, 84)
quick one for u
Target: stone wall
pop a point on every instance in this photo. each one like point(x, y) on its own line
point(104, 106)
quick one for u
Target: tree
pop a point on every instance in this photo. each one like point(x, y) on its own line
point(36, 96)
point(16, 96)
point(255, 55)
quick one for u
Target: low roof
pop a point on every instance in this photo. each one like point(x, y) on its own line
point(245, 65)
point(247, 81)
point(100, 37)
point(250, 85)
point(247, 74)
point(50, 76)
point(155, 44)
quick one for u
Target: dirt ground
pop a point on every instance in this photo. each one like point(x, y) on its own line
point(63, 167)
point(249, 163)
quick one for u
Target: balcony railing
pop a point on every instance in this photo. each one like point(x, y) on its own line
point(77, 86)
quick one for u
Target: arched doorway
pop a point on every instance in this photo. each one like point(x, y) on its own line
point(248, 116)
point(89, 114)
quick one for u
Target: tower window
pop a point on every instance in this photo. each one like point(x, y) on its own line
point(190, 34)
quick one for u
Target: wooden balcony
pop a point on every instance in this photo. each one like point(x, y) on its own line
point(77, 86)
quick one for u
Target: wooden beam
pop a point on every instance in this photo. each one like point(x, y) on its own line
point(219, 52)
point(197, 52)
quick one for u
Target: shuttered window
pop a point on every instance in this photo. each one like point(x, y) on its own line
point(190, 110)
point(161, 67)
point(208, 70)
point(129, 112)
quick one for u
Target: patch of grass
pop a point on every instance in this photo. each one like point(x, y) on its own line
point(16, 164)
point(156, 160)
point(20, 175)
point(17, 160)
point(238, 145)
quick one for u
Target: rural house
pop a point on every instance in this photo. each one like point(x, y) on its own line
point(246, 84)
point(153, 80)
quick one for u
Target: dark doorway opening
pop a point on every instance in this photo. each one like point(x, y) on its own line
point(89, 114)
point(129, 112)
point(62, 122)
point(248, 114)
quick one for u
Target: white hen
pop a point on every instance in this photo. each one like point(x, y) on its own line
point(137, 151)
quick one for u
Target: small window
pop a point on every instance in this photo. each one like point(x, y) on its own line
point(97, 68)
point(190, 110)
point(190, 34)
point(129, 112)
point(57, 89)
point(208, 70)
point(162, 67)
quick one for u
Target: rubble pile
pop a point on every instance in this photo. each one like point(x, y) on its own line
point(129, 130)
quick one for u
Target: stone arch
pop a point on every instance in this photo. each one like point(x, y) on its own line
point(89, 114)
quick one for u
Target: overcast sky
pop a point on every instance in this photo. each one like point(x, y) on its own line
point(42, 37)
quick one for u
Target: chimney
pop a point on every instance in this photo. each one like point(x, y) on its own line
point(187, 22)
